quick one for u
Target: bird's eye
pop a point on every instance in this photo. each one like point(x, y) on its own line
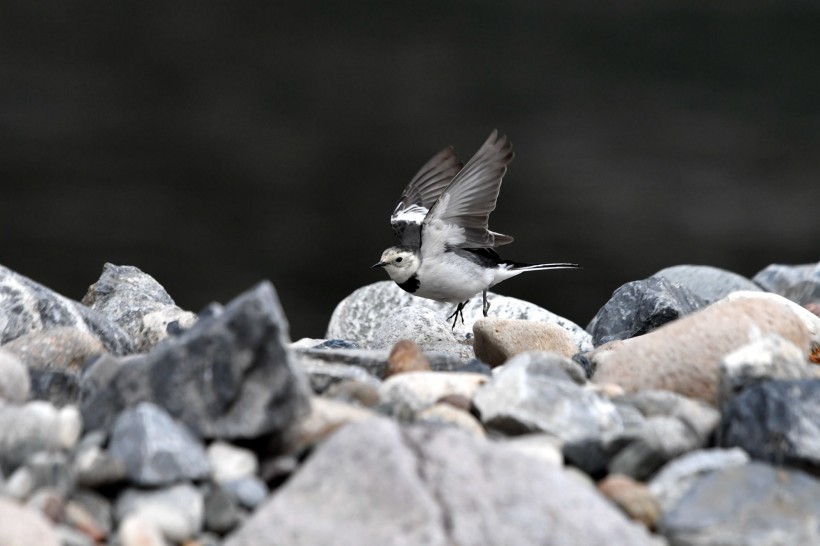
point(399, 259)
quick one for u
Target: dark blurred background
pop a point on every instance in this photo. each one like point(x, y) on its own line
point(217, 144)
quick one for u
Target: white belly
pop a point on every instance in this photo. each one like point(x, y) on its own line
point(452, 280)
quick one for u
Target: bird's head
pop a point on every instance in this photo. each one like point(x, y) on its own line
point(399, 262)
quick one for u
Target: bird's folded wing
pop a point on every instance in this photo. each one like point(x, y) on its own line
point(421, 193)
point(462, 211)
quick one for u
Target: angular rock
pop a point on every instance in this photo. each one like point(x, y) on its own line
point(358, 317)
point(747, 504)
point(659, 441)
point(24, 527)
point(29, 307)
point(406, 394)
point(700, 418)
point(799, 283)
point(639, 307)
point(228, 376)
point(435, 487)
point(536, 395)
point(137, 303)
point(683, 356)
point(59, 348)
point(322, 375)
point(406, 356)
point(706, 282)
point(769, 358)
point(177, 511)
point(58, 387)
point(777, 422)
point(14, 379)
point(497, 340)
point(156, 450)
point(229, 462)
point(677, 477)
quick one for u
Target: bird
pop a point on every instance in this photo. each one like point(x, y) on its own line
point(446, 251)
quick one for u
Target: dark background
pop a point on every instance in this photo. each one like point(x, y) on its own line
point(217, 144)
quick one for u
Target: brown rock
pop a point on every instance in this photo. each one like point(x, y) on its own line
point(496, 340)
point(63, 348)
point(406, 356)
point(683, 356)
point(633, 497)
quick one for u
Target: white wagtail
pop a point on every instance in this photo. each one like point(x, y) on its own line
point(446, 251)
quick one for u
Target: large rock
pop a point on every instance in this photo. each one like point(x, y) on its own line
point(62, 349)
point(177, 511)
point(799, 283)
point(534, 393)
point(706, 282)
point(376, 483)
point(14, 379)
point(754, 504)
point(23, 526)
point(776, 421)
point(137, 303)
point(26, 307)
point(497, 340)
point(35, 426)
point(639, 307)
point(229, 376)
point(683, 356)
point(361, 315)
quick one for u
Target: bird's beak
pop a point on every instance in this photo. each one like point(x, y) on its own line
point(380, 264)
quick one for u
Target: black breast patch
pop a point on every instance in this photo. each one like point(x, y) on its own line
point(411, 284)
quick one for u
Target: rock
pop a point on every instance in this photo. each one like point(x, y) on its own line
point(810, 320)
point(406, 356)
point(431, 486)
point(324, 418)
point(474, 365)
point(634, 498)
point(68, 536)
point(676, 478)
point(497, 340)
point(60, 348)
point(228, 376)
point(700, 418)
point(747, 504)
point(322, 376)
point(91, 513)
point(221, 511)
point(406, 394)
point(446, 415)
point(24, 527)
point(31, 307)
point(359, 316)
point(26, 429)
point(771, 357)
point(177, 511)
point(799, 283)
point(354, 392)
point(639, 307)
point(137, 303)
point(51, 469)
point(544, 447)
point(533, 393)
point(776, 421)
point(14, 379)
point(660, 440)
point(58, 387)
point(683, 356)
point(95, 467)
point(49, 502)
point(425, 326)
point(229, 462)
point(156, 450)
point(372, 361)
point(249, 492)
point(708, 283)
point(139, 531)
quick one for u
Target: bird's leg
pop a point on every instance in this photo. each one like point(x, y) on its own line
point(486, 303)
point(458, 312)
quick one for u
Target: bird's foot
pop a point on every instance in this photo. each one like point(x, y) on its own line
point(486, 306)
point(458, 312)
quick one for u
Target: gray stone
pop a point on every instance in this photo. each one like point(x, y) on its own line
point(323, 375)
point(373, 361)
point(425, 327)
point(771, 357)
point(534, 394)
point(14, 379)
point(156, 449)
point(229, 462)
point(221, 510)
point(24, 526)
point(677, 477)
point(700, 418)
point(799, 283)
point(96, 467)
point(661, 440)
point(776, 421)
point(26, 307)
point(228, 376)
point(25, 430)
point(431, 486)
point(51, 469)
point(97, 509)
point(707, 282)
point(753, 504)
point(358, 317)
point(405, 394)
point(445, 415)
point(55, 386)
point(137, 303)
point(177, 511)
point(641, 306)
point(249, 492)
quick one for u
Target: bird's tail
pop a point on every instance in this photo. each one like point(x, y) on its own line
point(520, 268)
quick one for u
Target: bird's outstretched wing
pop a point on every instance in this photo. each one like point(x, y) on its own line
point(460, 215)
point(421, 193)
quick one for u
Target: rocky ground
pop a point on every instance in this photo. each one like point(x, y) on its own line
point(686, 412)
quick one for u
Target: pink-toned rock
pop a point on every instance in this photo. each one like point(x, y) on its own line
point(406, 356)
point(683, 356)
point(23, 526)
point(497, 340)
